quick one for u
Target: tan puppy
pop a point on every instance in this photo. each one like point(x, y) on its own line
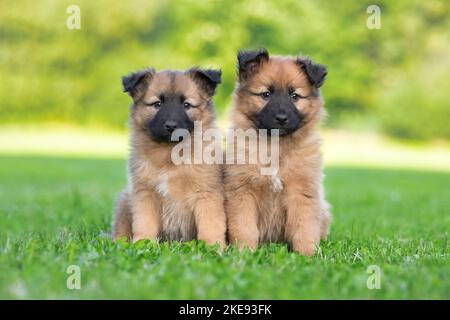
point(164, 200)
point(289, 206)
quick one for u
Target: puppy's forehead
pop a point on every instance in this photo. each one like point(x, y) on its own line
point(281, 72)
point(172, 82)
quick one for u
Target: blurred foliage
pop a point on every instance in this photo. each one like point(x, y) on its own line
point(397, 76)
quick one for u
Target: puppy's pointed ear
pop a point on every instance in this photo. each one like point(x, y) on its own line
point(250, 61)
point(315, 72)
point(136, 82)
point(207, 79)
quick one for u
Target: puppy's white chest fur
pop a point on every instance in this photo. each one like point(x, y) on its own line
point(163, 186)
point(176, 218)
point(277, 184)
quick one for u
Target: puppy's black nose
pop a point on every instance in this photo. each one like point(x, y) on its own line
point(170, 126)
point(281, 118)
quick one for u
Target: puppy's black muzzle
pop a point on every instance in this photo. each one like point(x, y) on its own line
point(280, 113)
point(170, 117)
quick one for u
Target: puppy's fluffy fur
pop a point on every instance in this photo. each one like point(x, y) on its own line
point(163, 200)
point(290, 205)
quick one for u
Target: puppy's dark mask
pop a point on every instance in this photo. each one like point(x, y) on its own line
point(279, 113)
point(170, 117)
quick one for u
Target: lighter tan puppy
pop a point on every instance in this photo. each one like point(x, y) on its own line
point(289, 206)
point(163, 200)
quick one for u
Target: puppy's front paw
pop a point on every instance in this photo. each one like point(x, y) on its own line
point(138, 237)
point(304, 247)
point(242, 245)
point(213, 242)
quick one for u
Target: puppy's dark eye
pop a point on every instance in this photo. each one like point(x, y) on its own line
point(296, 97)
point(187, 105)
point(157, 104)
point(266, 95)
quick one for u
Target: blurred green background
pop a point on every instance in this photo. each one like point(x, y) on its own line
point(394, 80)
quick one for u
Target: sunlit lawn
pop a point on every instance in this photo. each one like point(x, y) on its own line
point(55, 211)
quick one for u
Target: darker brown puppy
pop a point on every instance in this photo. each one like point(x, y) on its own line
point(289, 205)
point(164, 200)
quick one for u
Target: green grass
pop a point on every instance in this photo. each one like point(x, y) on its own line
point(56, 211)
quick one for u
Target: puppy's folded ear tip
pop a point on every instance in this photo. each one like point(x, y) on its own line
point(133, 79)
point(250, 60)
point(126, 82)
point(208, 78)
point(245, 56)
point(315, 72)
point(215, 75)
point(218, 75)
